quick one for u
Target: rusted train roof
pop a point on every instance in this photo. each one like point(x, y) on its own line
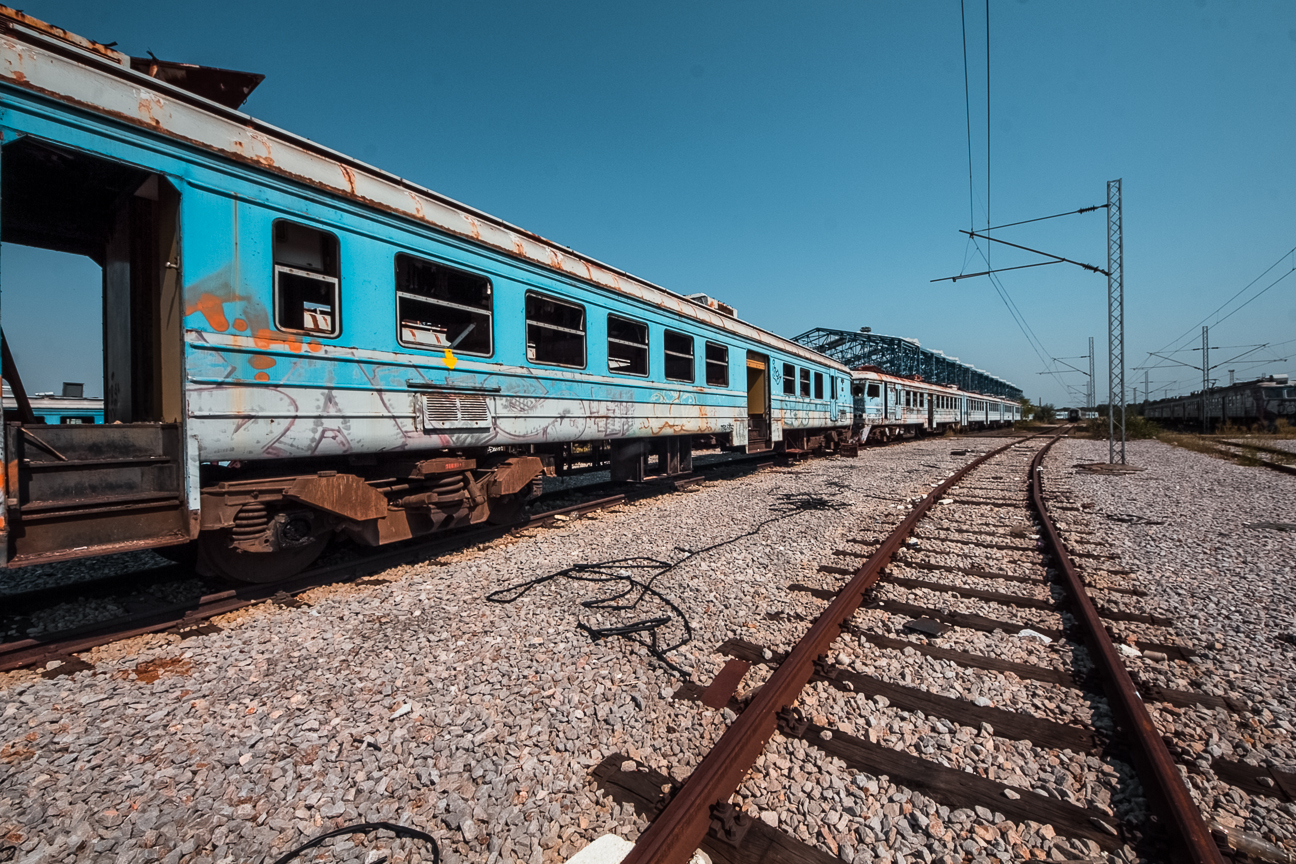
point(51, 61)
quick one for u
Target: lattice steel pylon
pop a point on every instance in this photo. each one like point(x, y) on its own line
point(1115, 325)
point(1091, 398)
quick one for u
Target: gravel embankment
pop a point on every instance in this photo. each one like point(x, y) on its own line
point(419, 701)
point(1192, 528)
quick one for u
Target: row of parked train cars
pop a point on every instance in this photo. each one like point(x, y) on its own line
point(299, 346)
point(1262, 403)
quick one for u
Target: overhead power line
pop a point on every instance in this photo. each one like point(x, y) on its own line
point(997, 270)
point(1058, 258)
point(1178, 341)
point(1054, 216)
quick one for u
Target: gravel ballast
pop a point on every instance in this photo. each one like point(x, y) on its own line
point(420, 702)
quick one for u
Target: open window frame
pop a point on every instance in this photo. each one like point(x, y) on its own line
point(294, 281)
point(427, 335)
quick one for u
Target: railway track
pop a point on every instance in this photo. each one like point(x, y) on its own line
point(151, 615)
point(1272, 458)
point(1034, 580)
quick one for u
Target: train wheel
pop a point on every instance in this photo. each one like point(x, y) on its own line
point(217, 558)
point(186, 554)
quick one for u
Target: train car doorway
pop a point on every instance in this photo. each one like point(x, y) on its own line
point(82, 490)
point(758, 403)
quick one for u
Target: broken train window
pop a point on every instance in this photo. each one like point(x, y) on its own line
point(305, 280)
point(679, 356)
point(627, 346)
point(442, 307)
point(555, 331)
point(717, 365)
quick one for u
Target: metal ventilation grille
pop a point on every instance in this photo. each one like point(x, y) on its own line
point(455, 411)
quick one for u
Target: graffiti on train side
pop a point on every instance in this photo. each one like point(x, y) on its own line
point(256, 393)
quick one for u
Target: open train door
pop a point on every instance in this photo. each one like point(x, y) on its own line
point(72, 491)
point(758, 402)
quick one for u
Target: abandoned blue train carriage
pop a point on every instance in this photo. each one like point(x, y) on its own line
point(296, 344)
point(887, 406)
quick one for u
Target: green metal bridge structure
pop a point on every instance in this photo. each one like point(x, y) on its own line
point(905, 358)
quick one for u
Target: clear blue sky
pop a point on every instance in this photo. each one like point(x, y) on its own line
point(807, 162)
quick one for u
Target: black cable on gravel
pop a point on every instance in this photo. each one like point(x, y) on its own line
point(645, 631)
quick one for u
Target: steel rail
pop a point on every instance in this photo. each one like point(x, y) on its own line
point(679, 830)
point(1182, 817)
point(28, 652)
point(1263, 463)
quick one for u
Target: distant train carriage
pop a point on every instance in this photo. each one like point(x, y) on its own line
point(72, 407)
point(888, 407)
point(298, 346)
point(1263, 402)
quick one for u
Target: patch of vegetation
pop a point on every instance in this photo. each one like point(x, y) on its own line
point(1137, 427)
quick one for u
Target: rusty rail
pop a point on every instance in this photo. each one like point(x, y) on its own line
point(1182, 818)
point(1263, 463)
point(678, 831)
point(30, 652)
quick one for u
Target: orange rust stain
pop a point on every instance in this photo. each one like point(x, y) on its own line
point(151, 670)
point(350, 178)
point(18, 76)
point(265, 339)
point(146, 106)
point(261, 362)
point(11, 473)
point(240, 325)
point(262, 376)
point(212, 309)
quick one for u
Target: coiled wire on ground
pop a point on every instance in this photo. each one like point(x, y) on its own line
point(645, 632)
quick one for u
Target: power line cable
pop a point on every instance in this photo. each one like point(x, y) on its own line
point(1253, 298)
point(1177, 341)
point(967, 107)
point(1023, 325)
point(1054, 216)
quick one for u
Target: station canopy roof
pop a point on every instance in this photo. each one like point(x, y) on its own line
point(906, 358)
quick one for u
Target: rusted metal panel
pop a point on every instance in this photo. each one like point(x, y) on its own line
point(345, 495)
point(93, 489)
point(227, 87)
point(515, 475)
point(33, 57)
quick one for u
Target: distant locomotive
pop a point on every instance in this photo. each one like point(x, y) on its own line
point(1262, 402)
point(298, 346)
